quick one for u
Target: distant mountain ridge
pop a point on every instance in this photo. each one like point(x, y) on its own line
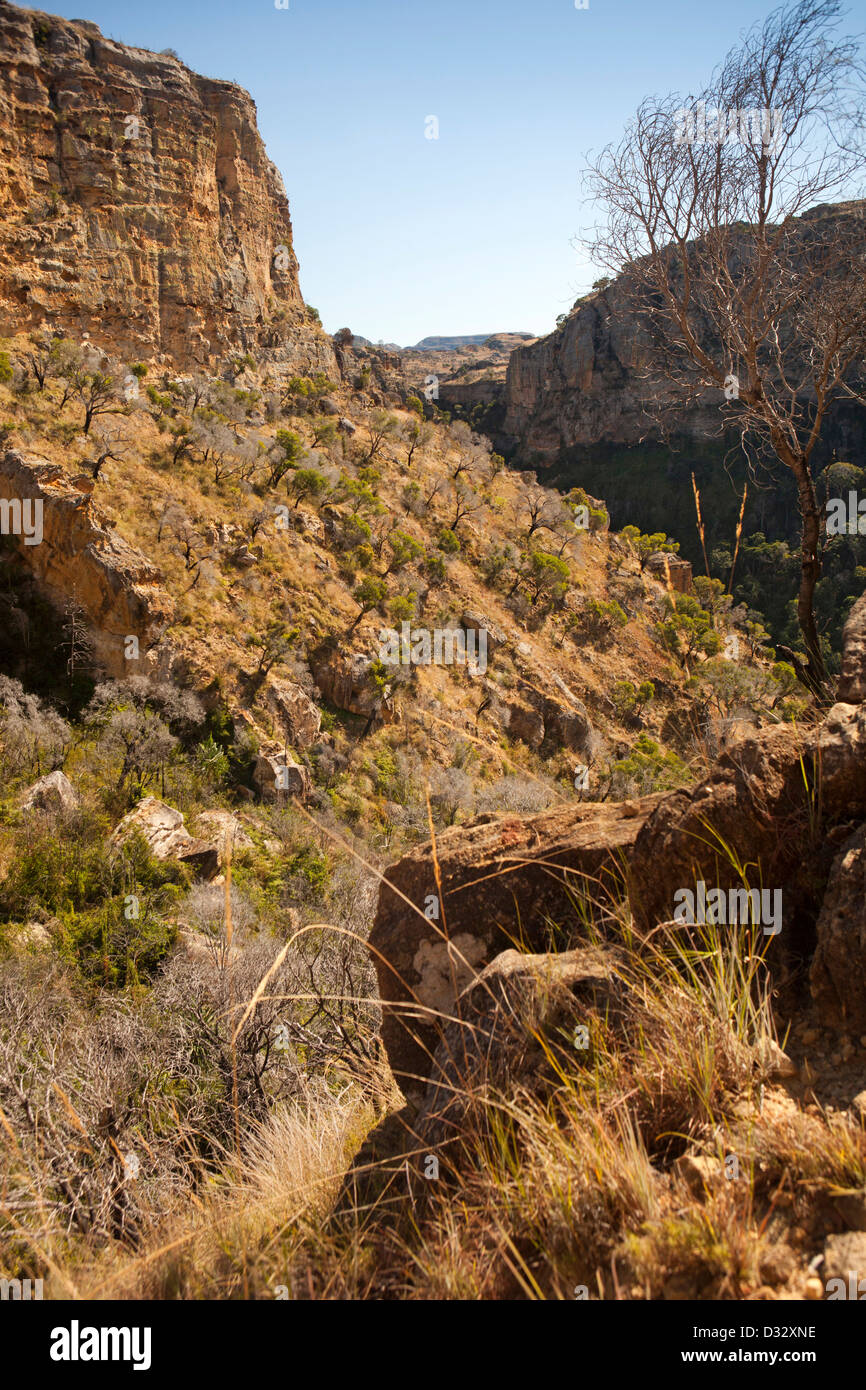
point(453, 343)
point(444, 344)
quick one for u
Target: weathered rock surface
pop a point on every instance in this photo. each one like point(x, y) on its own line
point(517, 1011)
point(757, 808)
point(294, 711)
point(852, 681)
point(837, 976)
point(278, 775)
point(81, 555)
point(671, 570)
point(215, 828)
point(752, 808)
point(843, 1255)
point(54, 792)
point(494, 638)
point(699, 1172)
point(343, 679)
point(772, 813)
point(535, 716)
point(137, 202)
point(504, 880)
point(593, 380)
point(163, 828)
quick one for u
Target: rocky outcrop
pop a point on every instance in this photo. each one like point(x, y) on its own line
point(535, 717)
point(593, 381)
point(492, 636)
point(771, 814)
point(751, 810)
point(298, 718)
point(80, 558)
point(219, 829)
point(518, 1012)
point(137, 202)
point(670, 570)
point(783, 814)
point(54, 792)
point(277, 775)
point(504, 880)
point(343, 679)
point(852, 681)
point(588, 403)
point(166, 836)
point(837, 972)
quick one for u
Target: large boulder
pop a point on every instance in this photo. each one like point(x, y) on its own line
point(299, 719)
point(567, 723)
point(167, 837)
point(505, 880)
point(54, 792)
point(217, 828)
point(343, 678)
point(778, 803)
point(494, 638)
point(537, 715)
point(838, 972)
point(852, 682)
point(840, 755)
point(517, 1013)
point(751, 810)
point(277, 775)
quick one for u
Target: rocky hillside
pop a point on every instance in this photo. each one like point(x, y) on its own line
point(138, 204)
point(259, 545)
point(466, 376)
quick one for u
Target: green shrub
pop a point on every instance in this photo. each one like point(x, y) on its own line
point(448, 542)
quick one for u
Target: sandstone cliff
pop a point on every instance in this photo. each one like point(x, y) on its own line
point(592, 382)
point(138, 204)
point(583, 405)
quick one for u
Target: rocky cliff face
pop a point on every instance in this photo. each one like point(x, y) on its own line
point(591, 382)
point(137, 202)
point(75, 556)
point(584, 405)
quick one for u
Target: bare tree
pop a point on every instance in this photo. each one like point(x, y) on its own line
point(434, 487)
point(112, 444)
point(466, 503)
point(185, 540)
point(540, 510)
point(195, 392)
point(739, 292)
point(77, 641)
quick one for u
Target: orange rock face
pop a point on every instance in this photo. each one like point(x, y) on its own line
point(74, 553)
point(138, 204)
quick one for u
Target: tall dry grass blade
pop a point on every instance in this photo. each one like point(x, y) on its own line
point(701, 530)
point(739, 533)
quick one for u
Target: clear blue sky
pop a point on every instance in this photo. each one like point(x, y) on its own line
point(399, 236)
